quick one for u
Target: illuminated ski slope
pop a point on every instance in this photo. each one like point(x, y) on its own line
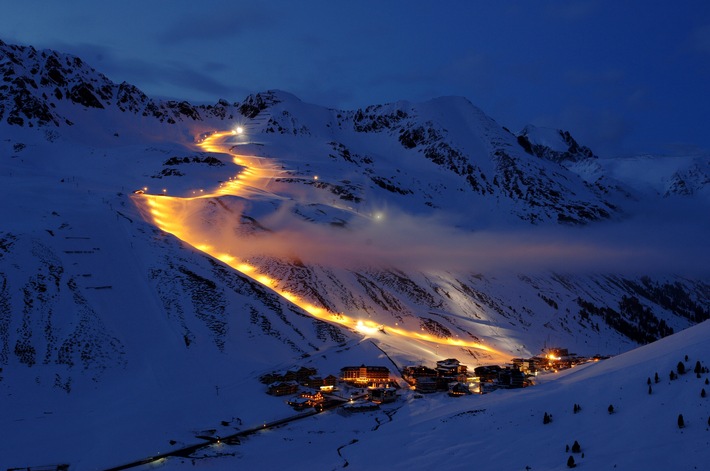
point(168, 214)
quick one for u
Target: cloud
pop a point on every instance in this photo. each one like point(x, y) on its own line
point(660, 240)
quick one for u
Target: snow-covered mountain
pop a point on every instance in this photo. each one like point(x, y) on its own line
point(415, 217)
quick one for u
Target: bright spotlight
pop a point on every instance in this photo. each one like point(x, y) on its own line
point(239, 130)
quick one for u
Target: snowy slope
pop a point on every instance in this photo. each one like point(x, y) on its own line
point(425, 217)
point(505, 430)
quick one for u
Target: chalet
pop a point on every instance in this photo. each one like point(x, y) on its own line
point(412, 373)
point(317, 382)
point(487, 373)
point(383, 395)
point(270, 378)
point(314, 382)
point(365, 374)
point(282, 388)
point(450, 367)
point(426, 385)
point(306, 399)
point(314, 396)
point(299, 403)
point(303, 373)
point(448, 371)
point(458, 389)
point(528, 366)
point(330, 380)
point(290, 375)
point(512, 378)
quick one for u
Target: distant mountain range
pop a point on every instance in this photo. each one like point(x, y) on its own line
point(427, 216)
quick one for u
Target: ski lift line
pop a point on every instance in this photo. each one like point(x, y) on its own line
point(163, 210)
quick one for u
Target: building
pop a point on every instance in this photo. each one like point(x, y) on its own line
point(316, 382)
point(458, 389)
point(282, 388)
point(303, 373)
point(383, 395)
point(529, 366)
point(559, 359)
point(306, 399)
point(487, 373)
point(412, 374)
point(512, 378)
point(426, 385)
point(313, 382)
point(330, 380)
point(365, 374)
point(450, 367)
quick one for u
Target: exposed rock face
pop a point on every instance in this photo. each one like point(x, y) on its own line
point(560, 146)
point(35, 83)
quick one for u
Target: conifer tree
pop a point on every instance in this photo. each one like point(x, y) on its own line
point(698, 367)
point(570, 462)
point(702, 393)
point(648, 381)
point(575, 447)
point(650, 391)
point(546, 419)
point(680, 368)
point(610, 409)
point(681, 422)
point(655, 378)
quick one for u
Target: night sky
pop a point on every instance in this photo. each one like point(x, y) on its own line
point(622, 76)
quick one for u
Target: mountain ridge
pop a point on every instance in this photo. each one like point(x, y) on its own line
point(425, 217)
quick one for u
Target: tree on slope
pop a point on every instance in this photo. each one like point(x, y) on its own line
point(576, 448)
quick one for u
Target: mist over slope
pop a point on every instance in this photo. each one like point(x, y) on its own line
point(426, 217)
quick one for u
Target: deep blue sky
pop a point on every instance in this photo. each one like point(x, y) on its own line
point(622, 76)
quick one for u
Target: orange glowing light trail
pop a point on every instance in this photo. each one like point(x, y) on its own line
point(165, 212)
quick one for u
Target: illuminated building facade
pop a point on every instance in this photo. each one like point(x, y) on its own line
point(365, 374)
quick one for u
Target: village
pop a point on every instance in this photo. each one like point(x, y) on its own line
point(366, 387)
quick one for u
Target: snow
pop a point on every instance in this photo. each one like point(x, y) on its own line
point(139, 340)
point(505, 430)
point(548, 137)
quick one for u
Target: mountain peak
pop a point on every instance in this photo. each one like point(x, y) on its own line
point(556, 145)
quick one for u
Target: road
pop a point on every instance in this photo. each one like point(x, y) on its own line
point(186, 451)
